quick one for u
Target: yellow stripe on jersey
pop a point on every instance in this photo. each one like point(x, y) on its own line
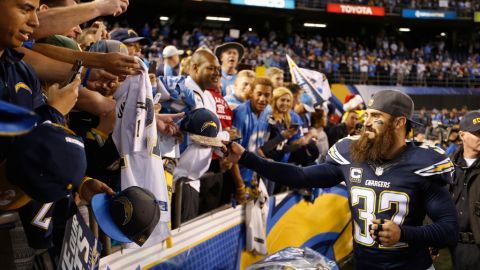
point(441, 167)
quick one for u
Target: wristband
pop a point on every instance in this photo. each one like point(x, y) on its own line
point(86, 77)
point(85, 179)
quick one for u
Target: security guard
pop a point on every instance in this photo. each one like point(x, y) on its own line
point(465, 192)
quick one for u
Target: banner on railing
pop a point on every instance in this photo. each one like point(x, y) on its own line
point(80, 249)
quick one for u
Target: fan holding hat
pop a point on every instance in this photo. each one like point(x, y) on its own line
point(229, 54)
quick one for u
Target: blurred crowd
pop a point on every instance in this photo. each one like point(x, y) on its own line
point(380, 60)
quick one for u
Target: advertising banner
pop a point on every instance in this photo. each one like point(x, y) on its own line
point(429, 14)
point(356, 10)
point(289, 4)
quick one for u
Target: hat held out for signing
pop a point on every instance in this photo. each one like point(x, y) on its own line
point(202, 126)
point(129, 216)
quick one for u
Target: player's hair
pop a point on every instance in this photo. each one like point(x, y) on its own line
point(273, 71)
point(279, 116)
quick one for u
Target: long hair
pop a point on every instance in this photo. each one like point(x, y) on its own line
point(277, 115)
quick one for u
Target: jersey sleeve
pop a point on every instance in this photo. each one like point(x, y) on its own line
point(434, 165)
point(338, 154)
point(323, 175)
point(440, 209)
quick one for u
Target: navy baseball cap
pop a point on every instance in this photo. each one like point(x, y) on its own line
point(15, 120)
point(129, 216)
point(470, 122)
point(47, 163)
point(127, 36)
point(393, 102)
point(202, 126)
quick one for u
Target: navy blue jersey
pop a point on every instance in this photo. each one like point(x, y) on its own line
point(395, 190)
point(403, 190)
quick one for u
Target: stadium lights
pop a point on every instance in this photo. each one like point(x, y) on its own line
point(250, 29)
point(164, 18)
point(404, 29)
point(443, 34)
point(317, 25)
point(220, 19)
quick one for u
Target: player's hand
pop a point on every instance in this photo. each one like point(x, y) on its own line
point(234, 151)
point(93, 186)
point(385, 232)
point(63, 99)
point(111, 7)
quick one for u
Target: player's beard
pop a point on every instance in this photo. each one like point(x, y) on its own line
point(376, 149)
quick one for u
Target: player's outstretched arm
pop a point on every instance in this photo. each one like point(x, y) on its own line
point(324, 175)
point(441, 210)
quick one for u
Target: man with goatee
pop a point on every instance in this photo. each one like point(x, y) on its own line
point(392, 186)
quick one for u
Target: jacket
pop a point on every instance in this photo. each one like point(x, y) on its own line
point(468, 177)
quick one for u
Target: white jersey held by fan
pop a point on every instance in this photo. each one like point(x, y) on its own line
point(135, 136)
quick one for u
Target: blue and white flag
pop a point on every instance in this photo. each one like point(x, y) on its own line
point(315, 84)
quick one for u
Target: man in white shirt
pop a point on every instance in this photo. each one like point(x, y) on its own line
point(204, 74)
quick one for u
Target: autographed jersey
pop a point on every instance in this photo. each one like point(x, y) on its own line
point(394, 190)
point(135, 136)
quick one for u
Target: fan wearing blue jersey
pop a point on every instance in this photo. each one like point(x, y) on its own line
point(392, 186)
point(251, 119)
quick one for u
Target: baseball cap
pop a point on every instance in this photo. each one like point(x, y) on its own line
point(127, 36)
point(307, 102)
point(109, 46)
point(202, 126)
point(15, 120)
point(61, 41)
point(129, 216)
point(229, 45)
point(393, 102)
point(470, 122)
point(47, 162)
point(170, 51)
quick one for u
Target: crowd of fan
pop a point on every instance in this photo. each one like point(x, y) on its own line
point(380, 60)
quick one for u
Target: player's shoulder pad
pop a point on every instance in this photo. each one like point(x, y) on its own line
point(340, 151)
point(431, 160)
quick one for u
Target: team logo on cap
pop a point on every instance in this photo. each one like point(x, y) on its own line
point(131, 32)
point(127, 209)
point(208, 124)
point(19, 86)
